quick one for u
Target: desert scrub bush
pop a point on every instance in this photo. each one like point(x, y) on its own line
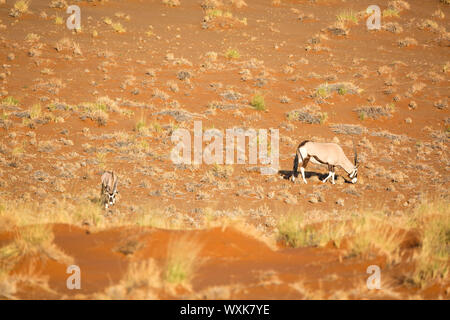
point(89, 213)
point(309, 114)
point(373, 112)
point(141, 126)
point(389, 12)
point(98, 111)
point(148, 216)
point(18, 151)
point(182, 260)
point(157, 93)
point(364, 233)
point(432, 261)
point(326, 89)
point(140, 281)
point(258, 102)
point(371, 232)
point(347, 16)
point(446, 67)
point(59, 20)
point(117, 27)
point(32, 37)
point(35, 111)
point(339, 29)
point(10, 101)
point(232, 54)
point(214, 13)
point(171, 3)
point(30, 241)
point(323, 92)
point(239, 3)
point(222, 171)
point(285, 99)
point(407, 42)
point(295, 233)
point(101, 159)
point(20, 7)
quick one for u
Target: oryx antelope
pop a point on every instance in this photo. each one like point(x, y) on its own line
point(109, 188)
point(329, 154)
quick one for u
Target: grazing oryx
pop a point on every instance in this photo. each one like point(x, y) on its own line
point(109, 188)
point(329, 154)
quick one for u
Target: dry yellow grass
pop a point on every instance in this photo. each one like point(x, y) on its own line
point(141, 281)
point(34, 241)
point(432, 218)
point(182, 260)
point(20, 7)
point(366, 233)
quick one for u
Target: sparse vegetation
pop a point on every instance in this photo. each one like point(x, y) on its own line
point(375, 112)
point(35, 111)
point(390, 13)
point(259, 230)
point(10, 101)
point(309, 114)
point(59, 20)
point(20, 7)
point(432, 262)
point(171, 3)
point(407, 42)
point(117, 27)
point(347, 16)
point(258, 102)
point(232, 54)
point(362, 234)
point(182, 260)
point(30, 241)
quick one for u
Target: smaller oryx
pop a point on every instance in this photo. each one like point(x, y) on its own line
point(329, 154)
point(109, 188)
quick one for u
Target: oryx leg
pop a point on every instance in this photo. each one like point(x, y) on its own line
point(302, 169)
point(330, 174)
point(305, 160)
point(333, 174)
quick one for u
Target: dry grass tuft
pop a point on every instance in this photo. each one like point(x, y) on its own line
point(365, 234)
point(31, 241)
point(141, 281)
point(432, 262)
point(20, 7)
point(182, 260)
point(171, 3)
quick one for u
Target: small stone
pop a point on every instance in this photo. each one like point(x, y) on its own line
point(408, 120)
point(340, 202)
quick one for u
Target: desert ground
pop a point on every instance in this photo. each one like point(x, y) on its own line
point(110, 94)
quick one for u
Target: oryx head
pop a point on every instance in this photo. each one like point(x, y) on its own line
point(109, 187)
point(354, 174)
point(111, 194)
